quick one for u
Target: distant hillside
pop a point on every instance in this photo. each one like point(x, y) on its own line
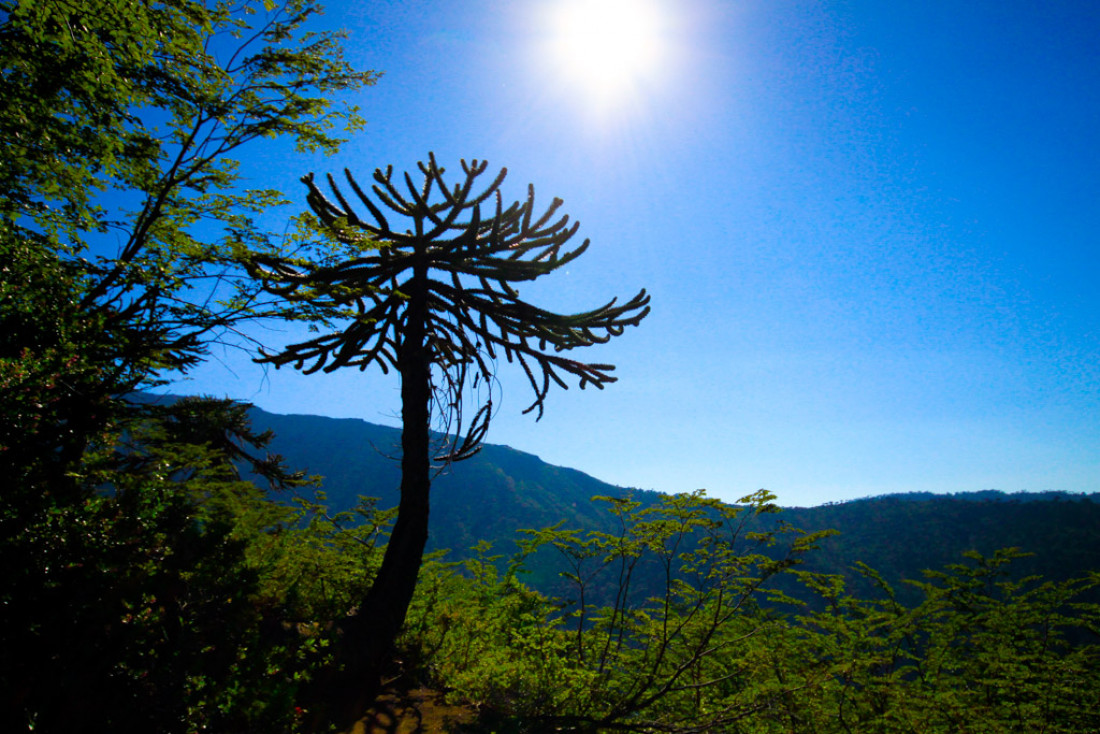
point(502, 490)
point(489, 496)
point(901, 535)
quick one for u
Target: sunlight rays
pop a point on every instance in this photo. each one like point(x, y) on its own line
point(609, 51)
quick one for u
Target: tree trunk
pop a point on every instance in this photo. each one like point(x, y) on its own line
point(367, 637)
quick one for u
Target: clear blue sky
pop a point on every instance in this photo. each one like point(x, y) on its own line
point(870, 230)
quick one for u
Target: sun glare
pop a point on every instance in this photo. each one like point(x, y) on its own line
point(607, 49)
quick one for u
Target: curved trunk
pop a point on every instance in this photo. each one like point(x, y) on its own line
point(367, 637)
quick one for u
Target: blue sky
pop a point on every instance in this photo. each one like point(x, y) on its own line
point(869, 230)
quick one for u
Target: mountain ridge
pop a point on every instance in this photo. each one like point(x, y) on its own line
point(392, 434)
point(501, 490)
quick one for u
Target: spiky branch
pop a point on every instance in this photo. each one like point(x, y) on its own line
point(473, 311)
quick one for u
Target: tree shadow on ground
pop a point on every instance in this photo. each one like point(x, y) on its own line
point(416, 711)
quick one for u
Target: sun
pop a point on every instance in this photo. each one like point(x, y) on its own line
point(607, 49)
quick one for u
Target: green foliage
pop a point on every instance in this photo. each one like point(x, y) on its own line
point(655, 656)
point(56, 370)
point(146, 574)
point(485, 634)
point(980, 653)
point(318, 566)
point(120, 124)
point(705, 645)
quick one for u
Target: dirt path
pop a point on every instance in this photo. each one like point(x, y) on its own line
point(418, 711)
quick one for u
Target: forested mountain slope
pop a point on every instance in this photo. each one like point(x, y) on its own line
point(488, 496)
point(901, 535)
point(502, 490)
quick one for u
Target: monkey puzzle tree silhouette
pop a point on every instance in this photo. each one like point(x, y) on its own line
point(436, 302)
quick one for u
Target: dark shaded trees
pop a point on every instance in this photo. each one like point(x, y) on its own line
point(132, 589)
point(436, 301)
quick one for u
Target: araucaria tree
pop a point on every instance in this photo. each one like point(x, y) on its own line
point(434, 298)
